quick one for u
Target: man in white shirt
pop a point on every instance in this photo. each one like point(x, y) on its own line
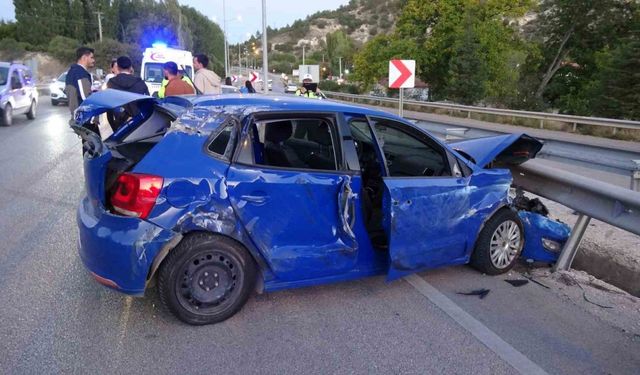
point(205, 80)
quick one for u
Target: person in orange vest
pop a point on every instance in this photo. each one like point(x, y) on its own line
point(175, 83)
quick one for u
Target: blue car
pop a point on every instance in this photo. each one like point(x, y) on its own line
point(213, 198)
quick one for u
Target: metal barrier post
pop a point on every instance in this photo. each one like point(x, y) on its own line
point(635, 176)
point(571, 246)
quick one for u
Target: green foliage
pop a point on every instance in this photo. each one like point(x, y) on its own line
point(572, 34)
point(327, 85)
point(63, 49)
point(109, 48)
point(468, 74)
point(616, 89)
point(372, 62)
point(8, 30)
point(11, 49)
point(137, 23)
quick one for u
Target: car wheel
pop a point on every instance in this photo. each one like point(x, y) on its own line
point(54, 102)
point(7, 115)
point(206, 279)
point(499, 244)
point(31, 115)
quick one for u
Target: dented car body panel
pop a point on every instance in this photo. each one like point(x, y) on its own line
point(302, 225)
point(435, 222)
point(544, 237)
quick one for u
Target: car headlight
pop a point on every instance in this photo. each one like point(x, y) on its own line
point(551, 245)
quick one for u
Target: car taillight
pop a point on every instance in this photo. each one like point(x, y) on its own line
point(135, 194)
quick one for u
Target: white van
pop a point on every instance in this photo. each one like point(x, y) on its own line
point(155, 57)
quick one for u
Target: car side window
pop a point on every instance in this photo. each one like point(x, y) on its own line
point(293, 143)
point(220, 142)
point(15, 80)
point(26, 76)
point(407, 153)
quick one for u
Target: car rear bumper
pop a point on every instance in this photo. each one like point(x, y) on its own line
point(118, 251)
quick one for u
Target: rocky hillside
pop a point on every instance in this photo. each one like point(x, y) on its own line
point(360, 19)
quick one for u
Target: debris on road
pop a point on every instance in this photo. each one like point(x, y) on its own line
point(478, 292)
point(517, 282)
point(599, 298)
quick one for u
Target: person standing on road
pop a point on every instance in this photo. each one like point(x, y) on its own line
point(113, 72)
point(125, 80)
point(303, 91)
point(248, 88)
point(79, 80)
point(205, 80)
point(175, 84)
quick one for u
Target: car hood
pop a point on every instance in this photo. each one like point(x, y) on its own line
point(504, 149)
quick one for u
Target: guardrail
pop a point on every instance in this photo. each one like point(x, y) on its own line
point(541, 116)
point(590, 198)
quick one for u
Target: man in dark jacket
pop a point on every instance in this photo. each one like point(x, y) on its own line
point(125, 80)
point(79, 80)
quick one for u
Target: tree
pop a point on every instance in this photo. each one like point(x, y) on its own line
point(468, 76)
point(338, 45)
point(573, 31)
point(617, 91)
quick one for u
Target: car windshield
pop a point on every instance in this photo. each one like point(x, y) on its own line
point(4, 73)
point(153, 72)
point(63, 77)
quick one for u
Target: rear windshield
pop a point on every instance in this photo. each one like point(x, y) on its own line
point(4, 73)
point(153, 72)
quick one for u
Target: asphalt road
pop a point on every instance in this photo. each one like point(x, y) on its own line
point(56, 319)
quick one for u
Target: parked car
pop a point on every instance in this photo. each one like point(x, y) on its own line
point(229, 89)
point(56, 88)
point(18, 93)
point(290, 88)
point(214, 197)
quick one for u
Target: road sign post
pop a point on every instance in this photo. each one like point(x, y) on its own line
point(401, 76)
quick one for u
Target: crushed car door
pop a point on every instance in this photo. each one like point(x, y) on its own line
point(290, 191)
point(426, 200)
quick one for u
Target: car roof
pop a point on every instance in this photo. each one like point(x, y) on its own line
point(252, 103)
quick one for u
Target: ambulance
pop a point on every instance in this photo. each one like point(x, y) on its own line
point(153, 59)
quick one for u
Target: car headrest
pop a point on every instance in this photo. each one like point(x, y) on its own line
point(277, 132)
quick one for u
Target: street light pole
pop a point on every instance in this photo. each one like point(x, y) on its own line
point(265, 49)
point(224, 25)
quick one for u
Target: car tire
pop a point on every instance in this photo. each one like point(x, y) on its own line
point(499, 244)
point(206, 279)
point(54, 102)
point(7, 115)
point(31, 115)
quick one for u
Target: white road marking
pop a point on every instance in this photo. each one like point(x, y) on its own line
point(492, 341)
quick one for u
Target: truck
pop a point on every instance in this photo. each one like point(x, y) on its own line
point(153, 59)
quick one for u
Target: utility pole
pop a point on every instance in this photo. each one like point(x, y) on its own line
point(99, 24)
point(265, 49)
point(303, 46)
point(224, 25)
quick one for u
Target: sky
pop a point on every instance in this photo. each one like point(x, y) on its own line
point(244, 17)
